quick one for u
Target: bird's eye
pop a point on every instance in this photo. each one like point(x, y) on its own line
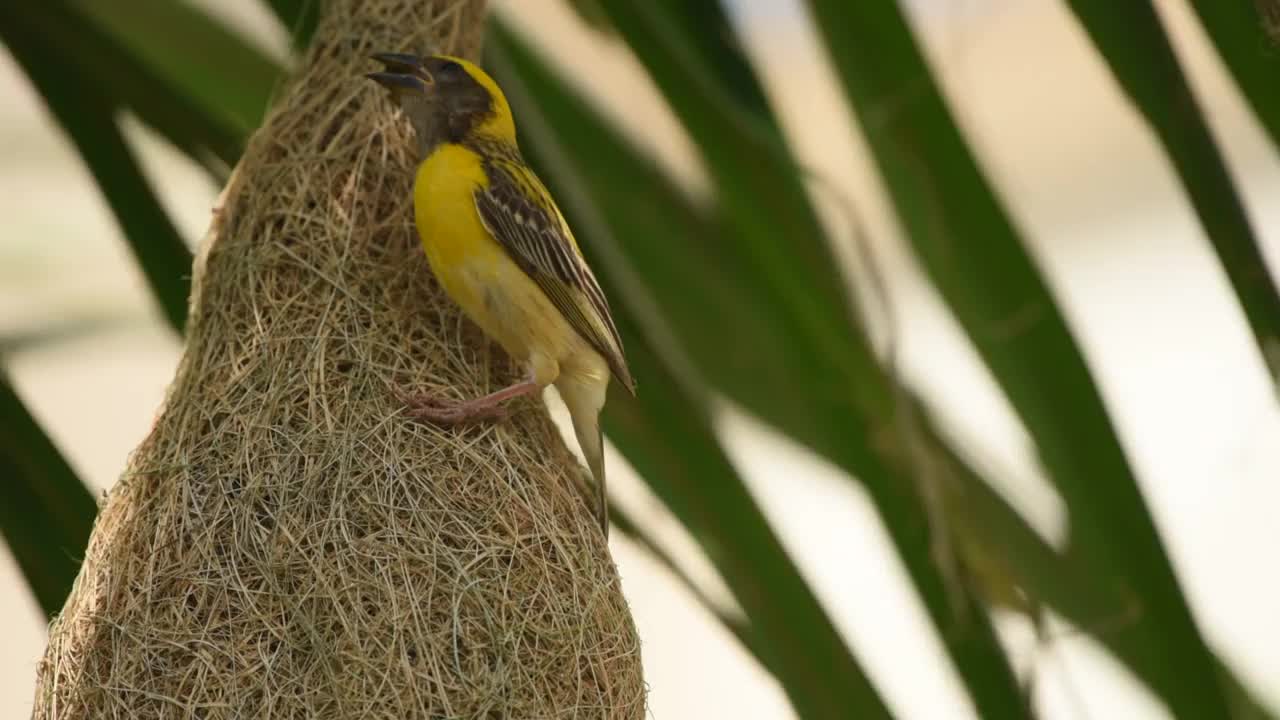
point(451, 71)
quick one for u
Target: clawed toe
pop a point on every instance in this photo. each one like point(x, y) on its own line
point(451, 416)
point(437, 411)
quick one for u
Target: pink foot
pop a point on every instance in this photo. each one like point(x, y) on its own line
point(436, 411)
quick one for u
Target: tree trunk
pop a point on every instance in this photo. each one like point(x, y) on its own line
point(286, 542)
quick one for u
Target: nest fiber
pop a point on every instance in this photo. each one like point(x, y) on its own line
point(287, 543)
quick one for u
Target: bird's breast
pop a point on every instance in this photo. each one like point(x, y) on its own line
point(445, 208)
point(473, 268)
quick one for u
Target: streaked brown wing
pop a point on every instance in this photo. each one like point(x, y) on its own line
point(518, 211)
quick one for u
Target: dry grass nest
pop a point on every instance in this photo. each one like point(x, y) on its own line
point(286, 543)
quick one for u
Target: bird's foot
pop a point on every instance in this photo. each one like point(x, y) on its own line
point(449, 413)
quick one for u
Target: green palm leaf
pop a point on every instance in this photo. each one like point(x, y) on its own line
point(46, 512)
point(976, 258)
point(88, 115)
point(1134, 44)
point(1240, 35)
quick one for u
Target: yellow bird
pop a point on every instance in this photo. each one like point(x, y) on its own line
point(501, 249)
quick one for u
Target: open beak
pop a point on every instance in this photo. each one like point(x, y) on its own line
point(399, 62)
point(403, 72)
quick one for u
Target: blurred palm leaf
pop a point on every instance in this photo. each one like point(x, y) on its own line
point(737, 626)
point(46, 333)
point(1141, 58)
point(1241, 39)
point(668, 438)
point(88, 115)
point(175, 42)
point(298, 16)
point(46, 512)
point(590, 13)
point(977, 260)
point(183, 108)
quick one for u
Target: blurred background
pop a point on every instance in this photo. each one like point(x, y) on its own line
point(1101, 211)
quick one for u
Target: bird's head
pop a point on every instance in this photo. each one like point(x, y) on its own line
point(447, 99)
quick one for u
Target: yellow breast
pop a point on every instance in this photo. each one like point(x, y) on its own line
point(444, 206)
point(476, 271)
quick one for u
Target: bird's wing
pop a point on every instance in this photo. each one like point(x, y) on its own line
point(518, 211)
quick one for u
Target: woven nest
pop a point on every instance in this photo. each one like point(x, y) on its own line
point(286, 542)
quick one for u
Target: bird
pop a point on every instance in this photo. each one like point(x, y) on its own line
point(502, 250)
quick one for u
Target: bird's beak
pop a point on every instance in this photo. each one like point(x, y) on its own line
point(399, 62)
point(403, 73)
point(398, 82)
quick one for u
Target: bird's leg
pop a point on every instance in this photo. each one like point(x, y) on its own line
point(432, 409)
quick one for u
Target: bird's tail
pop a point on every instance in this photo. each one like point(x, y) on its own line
point(584, 400)
point(592, 444)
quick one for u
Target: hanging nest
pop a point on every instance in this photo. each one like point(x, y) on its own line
point(286, 542)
